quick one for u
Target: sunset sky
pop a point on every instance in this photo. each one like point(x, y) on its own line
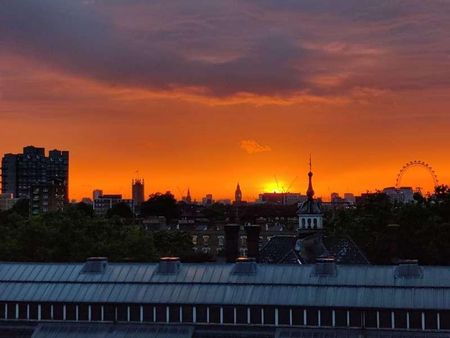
point(204, 94)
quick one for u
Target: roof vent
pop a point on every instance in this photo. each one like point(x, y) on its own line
point(244, 266)
point(325, 267)
point(408, 268)
point(95, 265)
point(169, 265)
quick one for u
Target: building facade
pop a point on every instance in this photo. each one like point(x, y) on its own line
point(23, 173)
point(243, 299)
point(104, 202)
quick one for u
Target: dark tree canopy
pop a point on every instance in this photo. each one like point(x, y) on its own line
point(387, 232)
point(122, 210)
point(160, 205)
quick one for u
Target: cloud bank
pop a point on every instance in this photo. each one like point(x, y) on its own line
point(221, 49)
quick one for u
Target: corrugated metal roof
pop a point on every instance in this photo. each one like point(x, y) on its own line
point(296, 285)
point(111, 331)
point(352, 333)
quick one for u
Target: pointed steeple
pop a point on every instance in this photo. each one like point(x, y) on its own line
point(238, 194)
point(310, 192)
point(188, 197)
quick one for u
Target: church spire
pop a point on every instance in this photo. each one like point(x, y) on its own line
point(188, 197)
point(310, 192)
point(238, 194)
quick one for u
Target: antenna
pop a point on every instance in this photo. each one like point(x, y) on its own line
point(310, 165)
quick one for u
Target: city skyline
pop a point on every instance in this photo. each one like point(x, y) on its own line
point(201, 104)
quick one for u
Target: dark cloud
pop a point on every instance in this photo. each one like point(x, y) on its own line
point(225, 48)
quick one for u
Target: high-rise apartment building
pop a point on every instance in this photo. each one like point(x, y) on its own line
point(40, 178)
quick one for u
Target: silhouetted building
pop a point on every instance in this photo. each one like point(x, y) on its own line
point(137, 192)
point(207, 200)
point(238, 195)
point(400, 195)
point(32, 168)
point(105, 202)
point(47, 197)
point(284, 198)
point(310, 214)
point(187, 199)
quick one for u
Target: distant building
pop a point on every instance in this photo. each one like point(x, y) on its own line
point(224, 201)
point(208, 200)
point(20, 172)
point(137, 192)
point(7, 201)
point(105, 202)
point(310, 214)
point(349, 198)
point(97, 193)
point(400, 195)
point(187, 199)
point(238, 195)
point(286, 198)
point(47, 197)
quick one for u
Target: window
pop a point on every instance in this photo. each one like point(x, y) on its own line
point(57, 311)
point(220, 240)
point(284, 317)
point(121, 313)
point(33, 311)
point(315, 223)
point(174, 314)
point(430, 320)
point(444, 317)
point(255, 315)
point(370, 318)
point(83, 312)
point(228, 314)
point(385, 319)
point(355, 318)
point(46, 313)
point(340, 316)
point(303, 222)
point(298, 316)
point(400, 319)
point(312, 317)
point(187, 314)
point(201, 313)
point(243, 240)
point(161, 314)
point(135, 313)
point(214, 314)
point(148, 313)
point(269, 315)
point(241, 315)
point(415, 319)
point(22, 311)
point(109, 313)
point(194, 239)
point(205, 240)
point(326, 317)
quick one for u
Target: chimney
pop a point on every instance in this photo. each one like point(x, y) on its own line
point(408, 268)
point(169, 265)
point(95, 265)
point(231, 242)
point(244, 266)
point(325, 267)
point(253, 232)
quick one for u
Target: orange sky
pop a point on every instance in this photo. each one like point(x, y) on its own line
point(209, 95)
